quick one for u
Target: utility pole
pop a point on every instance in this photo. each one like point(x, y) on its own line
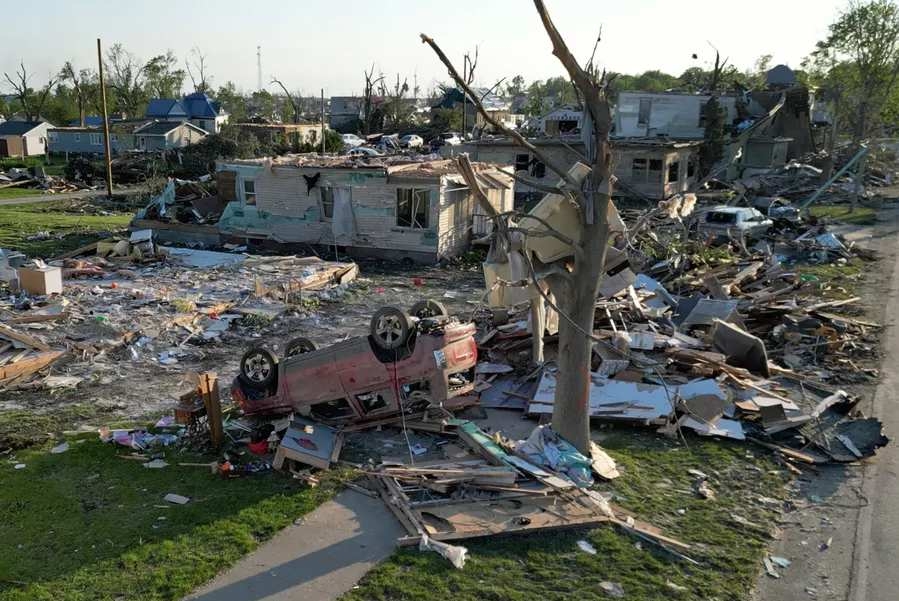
point(105, 122)
point(323, 121)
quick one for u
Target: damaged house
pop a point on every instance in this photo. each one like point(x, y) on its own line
point(420, 210)
point(648, 168)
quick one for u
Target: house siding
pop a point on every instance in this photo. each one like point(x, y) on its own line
point(670, 115)
point(62, 141)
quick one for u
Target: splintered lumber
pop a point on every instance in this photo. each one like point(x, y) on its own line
point(28, 366)
point(15, 335)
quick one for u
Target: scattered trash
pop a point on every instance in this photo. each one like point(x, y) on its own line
point(60, 448)
point(176, 499)
point(612, 589)
point(586, 547)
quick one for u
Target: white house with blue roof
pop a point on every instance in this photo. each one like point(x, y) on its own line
point(197, 108)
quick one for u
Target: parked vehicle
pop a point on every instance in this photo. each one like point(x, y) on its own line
point(364, 151)
point(733, 222)
point(352, 140)
point(452, 138)
point(388, 144)
point(777, 209)
point(408, 360)
point(411, 141)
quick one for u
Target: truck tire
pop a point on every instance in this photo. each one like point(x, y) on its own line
point(428, 308)
point(258, 368)
point(390, 328)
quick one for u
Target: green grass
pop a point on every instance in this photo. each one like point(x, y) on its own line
point(87, 525)
point(6, 193)
point(55, 166)
point(844, 214)
point(834, 280)
point(68, 218)
point(655, 485)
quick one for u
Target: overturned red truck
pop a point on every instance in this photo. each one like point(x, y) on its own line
point(408, 361)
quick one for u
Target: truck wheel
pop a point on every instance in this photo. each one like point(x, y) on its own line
point(428, 308)
point(258, 368)
point(298, 346)
point(390, 328)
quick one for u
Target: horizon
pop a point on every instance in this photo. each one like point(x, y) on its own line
point(231, 52)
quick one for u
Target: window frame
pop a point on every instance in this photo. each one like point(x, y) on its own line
point(644, 116)
point(322, 203)
point(249, 197)
point(96, 139)
point(415, 194)
point(673, 166)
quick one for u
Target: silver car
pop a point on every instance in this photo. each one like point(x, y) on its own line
point(725, 223)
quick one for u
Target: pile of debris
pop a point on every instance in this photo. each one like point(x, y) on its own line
point(36, 178)
point(184, 201)
point(153, 304)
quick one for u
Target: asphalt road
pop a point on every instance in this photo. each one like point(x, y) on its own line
point(875, 569)
point(843, 535)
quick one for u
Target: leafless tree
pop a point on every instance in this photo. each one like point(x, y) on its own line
point(370, 82)
point(84, 83)
point(573, 281)
point(31, 100)
point(196, 70)
point(295, 102)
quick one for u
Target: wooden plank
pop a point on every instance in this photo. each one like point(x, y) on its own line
point(28, 366)
point(11, 334)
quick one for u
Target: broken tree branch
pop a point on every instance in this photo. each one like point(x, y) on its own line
point(519, 139)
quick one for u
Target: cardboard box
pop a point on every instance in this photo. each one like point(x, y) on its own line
point(40, 280)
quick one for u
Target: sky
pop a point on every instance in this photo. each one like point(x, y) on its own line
point(314, 44)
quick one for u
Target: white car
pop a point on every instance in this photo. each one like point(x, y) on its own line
point(411, 141)
point(452, 138)
point(364, 151)
point(352, 140)
point(724, 223)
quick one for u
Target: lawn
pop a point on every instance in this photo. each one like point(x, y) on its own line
point(7, 193)
point(656, 486)
point(76, 222)
point(55, 166)
point(88, 525)
point(844, 214)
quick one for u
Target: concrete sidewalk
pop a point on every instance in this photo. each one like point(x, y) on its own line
point(317, 560)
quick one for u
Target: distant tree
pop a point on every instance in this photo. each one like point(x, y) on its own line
point(655, 81)
point(84, 85)
point(162, 78)
point(31, 101)
point(125, 77)
point(713, 136)
point(446, 119)
point(262, 105)
point(515, 87)
point(196, 67)
point(397, 108)
point(61, 106)
point(232, 101)
point(860, 57)
point(755, 78)
point(694, 79)
point(367, 93)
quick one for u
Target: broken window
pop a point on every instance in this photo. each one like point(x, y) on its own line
point(538, 170)
point(413, 208)
point(638, 170)
point(338, 408)
point(655, 170)
point(643, 112)
point(521, 162)
point(691, 168)
point(673, 171)
point(371, 401)
point(326, 198)
point(249, 191)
